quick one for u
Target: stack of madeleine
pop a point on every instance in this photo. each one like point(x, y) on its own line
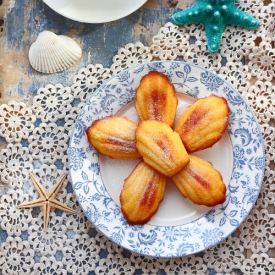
point(164, 152)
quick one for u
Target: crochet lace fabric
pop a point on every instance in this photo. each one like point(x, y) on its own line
point(37, 139)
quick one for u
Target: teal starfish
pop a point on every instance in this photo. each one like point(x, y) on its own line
point(215, 15)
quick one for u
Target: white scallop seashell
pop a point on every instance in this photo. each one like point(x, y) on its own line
point(52, 53)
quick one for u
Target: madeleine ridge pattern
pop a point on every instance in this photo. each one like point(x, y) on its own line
point(215, 15)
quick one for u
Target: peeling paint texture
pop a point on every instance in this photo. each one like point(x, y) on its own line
point(25, 19)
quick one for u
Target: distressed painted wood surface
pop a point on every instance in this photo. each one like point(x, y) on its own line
point(25, 19)
point(21, 21)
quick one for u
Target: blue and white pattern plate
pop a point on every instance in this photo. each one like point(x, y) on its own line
point(179, 227)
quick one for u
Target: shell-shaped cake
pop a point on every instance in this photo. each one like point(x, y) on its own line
point(200, 182)
point(203, 123)
point(115, 137)
point(161, 147)
point(142, 193)
point(156, 98)
point(52, 53)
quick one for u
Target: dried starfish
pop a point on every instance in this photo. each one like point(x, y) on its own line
point(215, 15)
point(47, 199)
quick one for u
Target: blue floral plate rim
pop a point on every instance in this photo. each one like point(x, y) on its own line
point(180, 240)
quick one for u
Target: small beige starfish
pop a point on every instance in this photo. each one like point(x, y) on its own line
point(47, 200)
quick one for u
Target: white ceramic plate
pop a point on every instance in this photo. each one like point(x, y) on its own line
point(179, 227)
point(95, 11)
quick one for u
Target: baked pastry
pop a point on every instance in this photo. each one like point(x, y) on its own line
point(200, 182)
point(115, 137)
point(203, 123)
point(161, 147)
point(156, 98)
point(142, 193)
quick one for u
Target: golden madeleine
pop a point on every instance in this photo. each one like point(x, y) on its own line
point(156, 98)
point(161, 147)
point(115, 137)
point(200, 182)
point(203, 123)
point(142, 193)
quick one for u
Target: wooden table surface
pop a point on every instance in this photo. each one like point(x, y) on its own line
point(25, 19)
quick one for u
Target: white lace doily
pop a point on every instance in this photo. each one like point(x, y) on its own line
point(37, 141)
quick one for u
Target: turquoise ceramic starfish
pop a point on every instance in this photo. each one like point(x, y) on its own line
point(215, 15)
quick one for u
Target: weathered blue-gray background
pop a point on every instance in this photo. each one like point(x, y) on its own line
point(25, 19)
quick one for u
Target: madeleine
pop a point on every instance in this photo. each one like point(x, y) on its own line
point(200, 182)
point(203, 123)
point(114, 137)
point(161, 147)
point(156, 98)
point(142, 194)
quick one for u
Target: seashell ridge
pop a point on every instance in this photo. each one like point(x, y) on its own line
point(52, 53)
